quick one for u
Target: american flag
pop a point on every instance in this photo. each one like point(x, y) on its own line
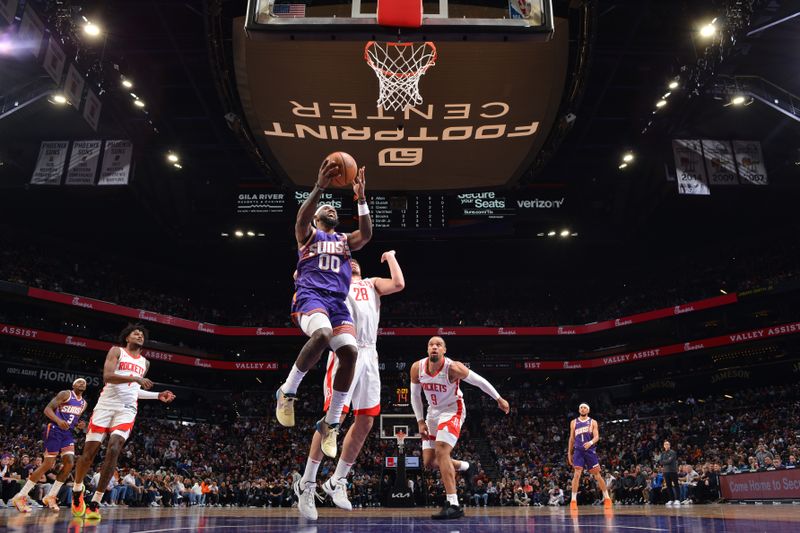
point(289, 10)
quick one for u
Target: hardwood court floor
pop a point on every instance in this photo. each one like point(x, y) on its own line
point(701, 518)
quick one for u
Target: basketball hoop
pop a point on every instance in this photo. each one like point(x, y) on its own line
point(401, 439)
point(399, 66)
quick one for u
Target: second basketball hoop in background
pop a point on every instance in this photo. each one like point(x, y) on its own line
point(399, 67)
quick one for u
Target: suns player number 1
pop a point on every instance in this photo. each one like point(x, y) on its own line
point(329, 262)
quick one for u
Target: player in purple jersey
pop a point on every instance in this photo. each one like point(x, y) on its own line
point(322, 283)
point(581, 454)
point(64, 411)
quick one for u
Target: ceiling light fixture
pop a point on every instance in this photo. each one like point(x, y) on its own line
point(128, 84)
point(738, 99)
point(172, 157)
point(661, 103)
point(551, 233)
point(709, 30)
point(138, 103)
point(239, 233)
point(565, 233)
point(673, 85)
point(623, 165)
point(628, 157)
point(251, 234)
point(91, 29)
point(59, 99)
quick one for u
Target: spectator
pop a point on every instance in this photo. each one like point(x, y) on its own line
point(481, 494)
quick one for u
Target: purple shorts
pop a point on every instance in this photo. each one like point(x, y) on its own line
point(56, 440)
point(586, 459)
point(309, 301)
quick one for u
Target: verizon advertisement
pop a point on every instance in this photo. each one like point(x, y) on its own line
point(487, 109)
point(235, 331)
point(774, 485)
point(641, 355)
point(103, 346)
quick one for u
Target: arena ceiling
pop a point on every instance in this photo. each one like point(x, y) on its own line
point(169, 48)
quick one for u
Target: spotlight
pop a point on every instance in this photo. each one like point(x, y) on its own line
point(262, 234)
point(564, 233)
point(239, 233)
point(127, 83)
point(540, 234)
point(661, 103)
point(623, 165)
point(58, 99)
point(172, 157)
point(666, 95)
point(251, 234)
point(177, 165)
point(223, 234)
point(723, 291)
point(738, 99)
point(551, 233)
point(728, 396)
point(628, 157)
point(673, 85)
point(709, 30)
point(91, 29)
point(138, 103)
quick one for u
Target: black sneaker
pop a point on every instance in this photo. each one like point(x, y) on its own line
point(449, 512)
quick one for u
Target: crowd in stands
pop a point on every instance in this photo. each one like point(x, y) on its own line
point(240, 457)
point(427, 302)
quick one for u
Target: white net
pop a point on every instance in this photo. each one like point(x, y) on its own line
point(399, 66)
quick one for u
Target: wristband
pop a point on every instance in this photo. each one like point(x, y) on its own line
point(363, 209)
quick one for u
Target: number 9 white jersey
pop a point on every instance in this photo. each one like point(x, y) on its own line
point(443, 395)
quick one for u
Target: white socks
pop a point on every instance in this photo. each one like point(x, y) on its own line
point(98, 496)
point(605, 495)
point(452, 499)
point(464, 466)
point(310, 474)
point(27, 488)
point(342, 469)
point(293, 380)
point(335, 408)
point(55, 488)
point(574, 496)
point(77, 487)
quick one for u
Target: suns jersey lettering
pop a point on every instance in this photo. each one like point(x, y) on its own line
point(120, 395)
point(324, 263)
point(583, 430)
point(71, 410)
point(364, 304)
point(442, 395)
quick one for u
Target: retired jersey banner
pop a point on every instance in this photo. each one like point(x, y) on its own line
point(750, 161)
point(116, 167)
point(689, 167)
point(54, 59)
point(31, 31)
point(73, 86)
point(83, 162)
point(720, 163)
point(91, 111)
point(50, 164)
point(8, 8)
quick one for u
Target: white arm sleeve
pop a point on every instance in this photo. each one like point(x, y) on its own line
point(147, 395)
point(416, 401)
point(473, 378)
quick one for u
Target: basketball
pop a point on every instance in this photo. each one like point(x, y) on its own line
point(348, 167)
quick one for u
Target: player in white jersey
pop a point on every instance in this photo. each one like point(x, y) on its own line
point(440, 378)
point(364, 395)
point(114, 413)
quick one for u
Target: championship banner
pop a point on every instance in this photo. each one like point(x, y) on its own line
point(720, 164)
point(236, 331)
point(116, 167)
point(752, 169)
point(50, 164)
point(83, 162)
point(8, 8)
point(91, 111)
point(689, 167)
point(772, 485)
point(73, 86)
point(31, 31)
point(103, 346)
point(582, 364)
point(54, 60)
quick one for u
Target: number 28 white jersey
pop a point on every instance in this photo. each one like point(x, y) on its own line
point(365, 308)
point(442, 394)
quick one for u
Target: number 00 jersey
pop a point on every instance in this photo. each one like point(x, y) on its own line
point(442, 395)
point(324, 263)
